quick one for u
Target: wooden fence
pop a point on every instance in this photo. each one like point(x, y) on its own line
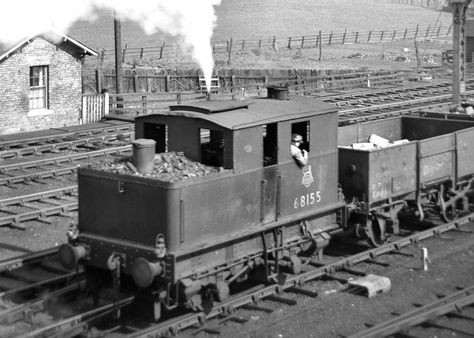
point(94, 107)
point(144, 103)
point(317, 40)
point(154, 81)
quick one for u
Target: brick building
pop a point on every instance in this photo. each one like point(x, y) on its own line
point(41, 83)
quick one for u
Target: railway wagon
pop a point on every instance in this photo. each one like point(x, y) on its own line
point(426, 162)
point(187, 241)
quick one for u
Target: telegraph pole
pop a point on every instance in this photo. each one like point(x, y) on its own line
point(459, 48)
point(118, 55)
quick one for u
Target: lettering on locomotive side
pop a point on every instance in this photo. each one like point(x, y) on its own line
point(307, 200)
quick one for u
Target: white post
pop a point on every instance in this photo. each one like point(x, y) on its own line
point(106, 103)
point(425, 258)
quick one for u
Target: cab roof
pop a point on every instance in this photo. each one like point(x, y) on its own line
point(243, 114)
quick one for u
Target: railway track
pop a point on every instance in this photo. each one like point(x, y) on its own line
point(258, 299)
point(65, 135)
point(223, 312)
point(31, 283)
point(38, 206)
point(52, 167)
point(444, 314)
point(68, 144)
point(23, 278)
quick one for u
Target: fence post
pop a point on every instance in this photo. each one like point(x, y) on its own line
point(106, 102)
point(161, 49)
point(320, 37)
point(357, 37)
point(381, 36)
point(98, 81)
point(232, 83)
point(243, 44)
point(427, 31)
point(167, 83)
point(141, 53)
point(416, 32)
point(330, 38)
point(123, 54)
point(259, 44)
point(144, 103)
point(449, 29)
point(405, 35)
point(230, 50)
point(393, 36)
point(135, 83)
point(439, 29)
point(302, 42)
point(370, 33)
point(274, 43)
point(289, 43)
point(344, 36)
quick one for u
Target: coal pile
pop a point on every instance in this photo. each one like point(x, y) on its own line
point(169, 167)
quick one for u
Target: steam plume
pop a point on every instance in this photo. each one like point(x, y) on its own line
point(193, 20)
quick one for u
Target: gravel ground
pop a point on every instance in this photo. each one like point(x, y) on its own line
point(336, 313)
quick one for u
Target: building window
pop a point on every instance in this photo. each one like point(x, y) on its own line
point(39, 87)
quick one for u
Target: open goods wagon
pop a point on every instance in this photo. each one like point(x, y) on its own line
point(425, 161)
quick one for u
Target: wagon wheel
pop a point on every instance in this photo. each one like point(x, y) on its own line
point(94, 285)
point(447, 205)
point(207, 300)
point(375, 231)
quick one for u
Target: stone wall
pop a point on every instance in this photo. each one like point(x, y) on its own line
point(65, 88)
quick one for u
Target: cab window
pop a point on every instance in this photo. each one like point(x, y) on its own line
point(159, 133)
point(212, 147)
point(303, 129)
point(270, 144)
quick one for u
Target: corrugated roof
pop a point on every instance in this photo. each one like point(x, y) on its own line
point(55, 38)
point(243, 114)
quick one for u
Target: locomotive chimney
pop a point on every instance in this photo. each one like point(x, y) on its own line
point(277, 92)
point(144, 154)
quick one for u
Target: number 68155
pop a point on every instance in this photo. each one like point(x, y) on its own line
point(307, 199)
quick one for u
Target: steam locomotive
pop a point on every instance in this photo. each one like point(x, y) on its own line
point(212, 197)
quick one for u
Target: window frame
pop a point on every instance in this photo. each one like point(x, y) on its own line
point(38, 97)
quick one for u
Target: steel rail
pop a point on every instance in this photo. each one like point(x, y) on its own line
point(37, 176)
point(175, 325)
point(62, 145)
point(390, 94)
point(17, 262)
point(38, 196)
point(14, 219)
point(420, 315)
point(64, 159)
point(77, 324)
point(18, 312)
point(41, 284)
point(5, 143)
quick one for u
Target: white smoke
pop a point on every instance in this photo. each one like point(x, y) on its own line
point(193, 20)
